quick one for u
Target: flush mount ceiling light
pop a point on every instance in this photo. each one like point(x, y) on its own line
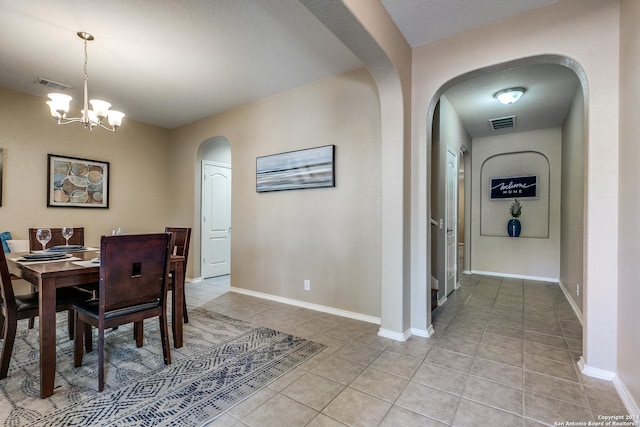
point(59, 104)
point(509, 96)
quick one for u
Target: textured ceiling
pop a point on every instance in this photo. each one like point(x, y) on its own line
point(424, 21)
point(550, 89)
point(170, 63)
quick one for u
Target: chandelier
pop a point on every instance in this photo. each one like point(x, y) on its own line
point(59, 104)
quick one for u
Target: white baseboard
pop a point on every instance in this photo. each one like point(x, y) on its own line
point(397, 336)
point(572, 303)
point(442, 300)
point(626, 397)
point(516, 276)
point(310, 306)
point(425, 333)
point(590, 371)
point(193, 279)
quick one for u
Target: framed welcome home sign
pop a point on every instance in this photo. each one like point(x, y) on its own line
point(521, 187)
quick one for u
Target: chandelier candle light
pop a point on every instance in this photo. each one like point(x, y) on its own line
point(59, 104)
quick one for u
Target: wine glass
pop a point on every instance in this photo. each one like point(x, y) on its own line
point(118, 231)
point(43, 235)
point(67, 232)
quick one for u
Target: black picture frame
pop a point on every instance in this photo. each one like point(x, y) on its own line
point(74, 182)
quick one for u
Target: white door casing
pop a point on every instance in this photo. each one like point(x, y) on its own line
point(216, 219)
point(451, 221)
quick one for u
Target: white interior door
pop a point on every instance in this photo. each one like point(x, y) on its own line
point(451, 221)
point(216, 219)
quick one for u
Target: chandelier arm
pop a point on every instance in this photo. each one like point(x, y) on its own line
point(85, 123)
point(110, 129)
point(66, 121)
point(88, 124)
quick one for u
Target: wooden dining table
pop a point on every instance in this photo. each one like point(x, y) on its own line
point(47, 276)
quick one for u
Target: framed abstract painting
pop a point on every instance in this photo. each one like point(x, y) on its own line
point(77, 183)
point(293, 170)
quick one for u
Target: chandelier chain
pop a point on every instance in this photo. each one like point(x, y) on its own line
point(86, 73)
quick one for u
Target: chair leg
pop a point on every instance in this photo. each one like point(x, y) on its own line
point(32, 321)
point(164, 336)
point(70, 323)
point(138, 333)
point(100, 359)
point(185, 316)
point(9, 336)
point(88, 338)
point(77, 345)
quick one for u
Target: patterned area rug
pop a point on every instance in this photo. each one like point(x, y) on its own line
point(222, 362)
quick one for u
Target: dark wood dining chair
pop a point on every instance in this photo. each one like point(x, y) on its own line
point(180, 246)
point(56, 238)
point(26, 306)
point(133, 287)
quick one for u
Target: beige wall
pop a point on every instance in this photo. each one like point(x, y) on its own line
point(139, 168)
point(629, 209)
point(584, 31)
point(536, 253)
point(367, 29)
point(572, 221)
point(279, 239)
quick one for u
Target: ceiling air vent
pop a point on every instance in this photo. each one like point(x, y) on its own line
point(503, 123)
point(51, 84)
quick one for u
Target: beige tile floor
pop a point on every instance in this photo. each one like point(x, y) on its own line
point(503, 354)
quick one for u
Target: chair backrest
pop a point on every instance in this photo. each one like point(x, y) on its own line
point(56, 238)
point(180, 241)
point(7, 297)
point(133, 270)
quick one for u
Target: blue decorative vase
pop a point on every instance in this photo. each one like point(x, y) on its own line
point(514, 227)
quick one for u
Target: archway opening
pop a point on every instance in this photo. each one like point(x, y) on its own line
point(449, 125)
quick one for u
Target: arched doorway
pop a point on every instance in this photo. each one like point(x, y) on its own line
point(569, 217)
